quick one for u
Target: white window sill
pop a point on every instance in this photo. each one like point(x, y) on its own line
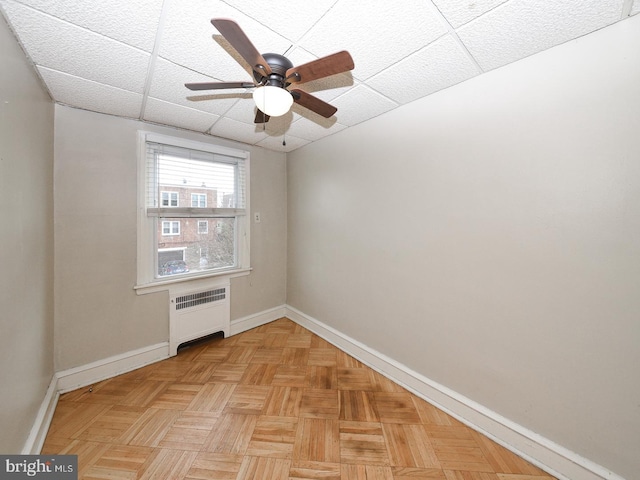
point(189, 282)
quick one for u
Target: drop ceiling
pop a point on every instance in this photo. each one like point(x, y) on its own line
point(131, 58)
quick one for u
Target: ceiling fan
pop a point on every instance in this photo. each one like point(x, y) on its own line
point(274, 73)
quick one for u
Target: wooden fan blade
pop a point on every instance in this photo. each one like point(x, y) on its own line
point(238, 40)
point(320, 68)
point(261, 117)
point(313, 103)
point(218, 85)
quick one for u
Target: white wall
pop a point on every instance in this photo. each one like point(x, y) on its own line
point(488, 237)
point(26, 236)
point(97, 312)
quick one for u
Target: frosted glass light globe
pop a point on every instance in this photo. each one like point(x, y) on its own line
point(273, 101)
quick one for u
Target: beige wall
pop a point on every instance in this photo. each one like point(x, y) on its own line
point(488, 237)
point(97, 312)
point(266, 286)
point(26, 236)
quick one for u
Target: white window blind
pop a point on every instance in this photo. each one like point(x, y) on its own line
point(169, 166)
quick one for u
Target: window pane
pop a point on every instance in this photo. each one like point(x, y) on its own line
point(189, 180)
point(218, 244)
point(171, 262)
point(201, 245)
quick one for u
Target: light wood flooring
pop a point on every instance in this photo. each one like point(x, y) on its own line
point(276, 402)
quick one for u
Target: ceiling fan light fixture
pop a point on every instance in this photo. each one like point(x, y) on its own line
point(273, 101)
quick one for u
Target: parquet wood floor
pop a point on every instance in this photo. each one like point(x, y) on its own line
point(276, 402)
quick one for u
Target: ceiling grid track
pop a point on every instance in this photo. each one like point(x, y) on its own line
point(452, 31)
point(154, 57)
point(626, 9)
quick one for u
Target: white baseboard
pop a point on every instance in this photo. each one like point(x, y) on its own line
point(252, 321)
point(542, 452)
point(40, 427)
point(94, 372)
point(78, 377)
point(97, 371)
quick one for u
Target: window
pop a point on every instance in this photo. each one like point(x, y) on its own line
point(216, 180)
point(169, 199)
point(170, 228)
point(199, 200)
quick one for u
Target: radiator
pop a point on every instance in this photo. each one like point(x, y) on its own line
point(193, 315)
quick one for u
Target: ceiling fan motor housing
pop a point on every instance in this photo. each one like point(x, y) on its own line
point(279, 65)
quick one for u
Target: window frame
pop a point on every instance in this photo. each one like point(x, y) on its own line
point(199, 196)
point(148, 224)
point(206, 230)
point(171, 225)
point(170, 194)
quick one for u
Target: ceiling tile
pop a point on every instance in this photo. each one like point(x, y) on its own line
point(244, 110)
point(306, 116)
point(187, 39)
point(277, 126)
point(61, 46)
point(157, 111)
point(520, 28)
point(282, 17)
point(288, 144)
point(314, 130)
point(300, 56)
point(377, 35)
point(360, 104)
point(437, 66)
point(268, 136)
point(240, 131)
point(131, 22)
point(88, 95)
point(167, 83)
point(459, 12)
point(298, 122)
